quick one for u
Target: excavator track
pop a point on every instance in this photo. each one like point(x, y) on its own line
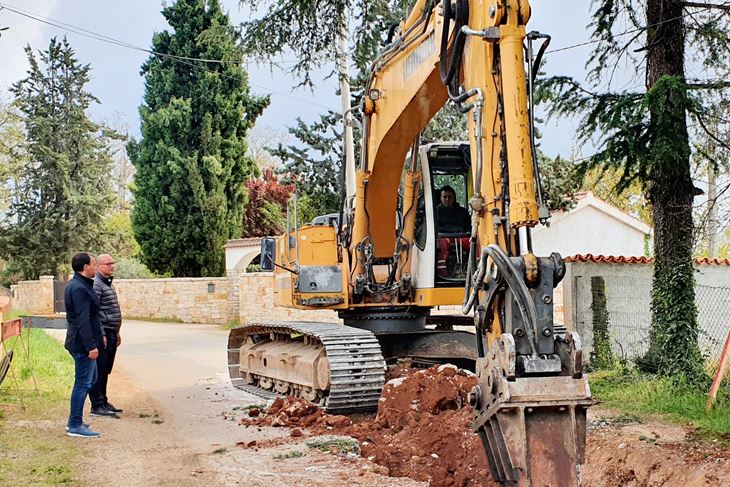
point(348, 360)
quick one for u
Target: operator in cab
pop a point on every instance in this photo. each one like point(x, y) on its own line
point(452, 218)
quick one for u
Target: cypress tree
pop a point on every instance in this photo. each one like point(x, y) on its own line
point(62, 192)
point(191, 163)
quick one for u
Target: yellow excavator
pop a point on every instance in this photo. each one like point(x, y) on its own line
point(431, 225)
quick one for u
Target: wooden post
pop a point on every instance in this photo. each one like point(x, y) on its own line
point(721, 369)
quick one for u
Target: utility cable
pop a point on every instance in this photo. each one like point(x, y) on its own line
point(627, 32)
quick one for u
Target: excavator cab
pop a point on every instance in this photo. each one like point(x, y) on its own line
point(450, 173)
point(443, 223)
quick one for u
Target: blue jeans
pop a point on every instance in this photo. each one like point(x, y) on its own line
point(85, 378)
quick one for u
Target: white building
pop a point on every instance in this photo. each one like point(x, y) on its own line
point(239, 254)
point(592, 227)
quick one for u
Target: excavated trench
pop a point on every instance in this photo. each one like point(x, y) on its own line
point(422, 431)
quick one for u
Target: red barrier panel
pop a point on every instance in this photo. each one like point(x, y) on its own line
point(11, 329)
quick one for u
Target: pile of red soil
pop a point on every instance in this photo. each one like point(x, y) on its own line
point(421, 429)
point(295, 412)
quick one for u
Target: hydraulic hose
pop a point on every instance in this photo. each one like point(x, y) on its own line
point(450, 62)
point(516, 285)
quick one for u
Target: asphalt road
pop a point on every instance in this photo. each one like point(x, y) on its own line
point(183, 367)
point(160, 357)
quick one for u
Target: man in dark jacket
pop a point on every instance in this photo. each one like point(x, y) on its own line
point(111, 321)
point(84, 338)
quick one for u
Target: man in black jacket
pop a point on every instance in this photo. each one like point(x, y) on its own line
point(84, 338)
point(111, 321)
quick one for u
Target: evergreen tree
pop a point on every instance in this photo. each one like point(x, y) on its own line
point(645, 133)
point(316, 159)
point(11, 154)
point(63, 190)
point(191, 163)
point(315, 163)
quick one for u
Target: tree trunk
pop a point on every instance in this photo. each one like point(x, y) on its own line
point(673, 339)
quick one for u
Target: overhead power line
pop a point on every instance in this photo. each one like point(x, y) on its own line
point(626, 32)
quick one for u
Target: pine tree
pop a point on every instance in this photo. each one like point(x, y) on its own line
point(63, 190)
point(316, 159)
point(645, 133)
point(191, 163)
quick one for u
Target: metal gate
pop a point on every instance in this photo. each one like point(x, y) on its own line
point(59, 306)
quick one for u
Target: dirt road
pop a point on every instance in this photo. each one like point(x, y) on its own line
point(181, 427)
point(180, 423)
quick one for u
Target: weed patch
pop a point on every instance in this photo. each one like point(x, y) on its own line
point(231, 324)
point(335, 445)
point(634, 393)
point(289, 454)
point(35, 450)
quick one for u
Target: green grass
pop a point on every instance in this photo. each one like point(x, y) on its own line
point(260, 406)
point(636, 394)
point(34, 449)
point(339, 445)
point(231, 324)
point(289, 454)
point(14, 314)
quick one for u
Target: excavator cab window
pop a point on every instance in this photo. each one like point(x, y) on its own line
point(450, 187)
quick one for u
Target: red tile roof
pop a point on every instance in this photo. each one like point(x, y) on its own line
point(620, 259)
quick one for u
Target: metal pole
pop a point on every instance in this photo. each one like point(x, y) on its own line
point(344, 74)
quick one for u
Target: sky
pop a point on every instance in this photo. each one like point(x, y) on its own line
point(117, 82)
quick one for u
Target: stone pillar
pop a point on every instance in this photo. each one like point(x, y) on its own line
point(45, 296)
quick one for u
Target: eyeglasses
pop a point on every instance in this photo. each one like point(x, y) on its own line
point(109, 263)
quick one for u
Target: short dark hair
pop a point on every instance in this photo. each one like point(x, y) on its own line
point(78, 261)
point(449, 189)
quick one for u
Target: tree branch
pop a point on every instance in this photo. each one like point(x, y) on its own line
point(706, 5)
point(708, 85)
point(710, 134)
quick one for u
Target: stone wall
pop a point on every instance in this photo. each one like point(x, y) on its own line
point(186, 299)
point(257, 303)
point(35, 297)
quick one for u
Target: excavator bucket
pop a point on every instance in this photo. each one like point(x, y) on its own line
point(532, 427)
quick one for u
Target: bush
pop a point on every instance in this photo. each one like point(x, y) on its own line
point(131, 268)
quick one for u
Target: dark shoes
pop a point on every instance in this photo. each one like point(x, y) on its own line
point(114, 409)
point(103, 411)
